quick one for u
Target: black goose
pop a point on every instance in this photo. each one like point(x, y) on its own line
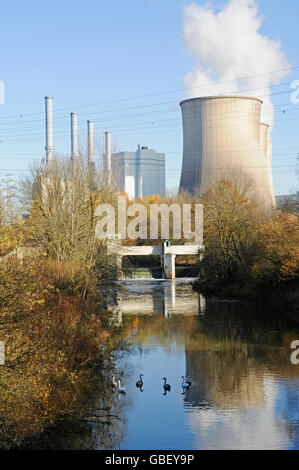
point(166, 386)
point(139, 382)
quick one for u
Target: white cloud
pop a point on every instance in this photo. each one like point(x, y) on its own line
point(226, 45)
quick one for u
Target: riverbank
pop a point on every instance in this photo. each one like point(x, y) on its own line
point(285, 295)
point(250, 252)
point(57, 339)
point(57, 342)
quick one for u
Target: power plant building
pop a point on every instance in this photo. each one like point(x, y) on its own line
point(139, 173)
point(225, 138)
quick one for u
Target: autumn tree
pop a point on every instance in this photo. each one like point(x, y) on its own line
point(230, 221)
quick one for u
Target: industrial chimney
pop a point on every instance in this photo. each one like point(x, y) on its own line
point(108, 156)
point(90, 145)
point(74, 136)
point(49, 128)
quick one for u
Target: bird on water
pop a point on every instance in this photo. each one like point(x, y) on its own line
point(139, 382)
point(186, 381)
point(166, 386)
point(114, 383)
point(121, 389)
point(185, 386)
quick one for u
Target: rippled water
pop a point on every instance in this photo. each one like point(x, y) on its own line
point(244, 392)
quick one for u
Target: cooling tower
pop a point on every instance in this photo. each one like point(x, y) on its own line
point(224, 138)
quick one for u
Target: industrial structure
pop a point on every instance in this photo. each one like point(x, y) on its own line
point(49, 128)
point(74, 136)
point(90, 144)
point(139, 173)
point(167, 253)
point(74, 140)
point(224, 138)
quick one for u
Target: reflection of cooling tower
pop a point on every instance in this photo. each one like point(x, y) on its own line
point(224, 138)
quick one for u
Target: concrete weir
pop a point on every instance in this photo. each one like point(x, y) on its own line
point(166, 251)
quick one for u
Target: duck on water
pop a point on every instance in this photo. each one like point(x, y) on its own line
point(166, 386)
point(139, 383)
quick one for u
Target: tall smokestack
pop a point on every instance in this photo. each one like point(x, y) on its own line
point(90, 147)
point(74, 136)
point(108, 156)
point(49, 128)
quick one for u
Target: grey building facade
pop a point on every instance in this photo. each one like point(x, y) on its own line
point(139, 173)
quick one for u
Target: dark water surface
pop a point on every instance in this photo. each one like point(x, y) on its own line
point(244, 392)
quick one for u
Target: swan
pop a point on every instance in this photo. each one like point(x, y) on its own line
point(114, 383)
point(139, 382)
point(166, 386)
point(186, 381)
point(121, 389)
point(185, 386)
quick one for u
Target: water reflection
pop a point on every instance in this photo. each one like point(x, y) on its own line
point(173, 297)
point(244, 391)
point(96, 424)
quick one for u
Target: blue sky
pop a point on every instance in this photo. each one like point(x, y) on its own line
point(96, 51)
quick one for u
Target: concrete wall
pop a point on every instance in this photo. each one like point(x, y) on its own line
point(167, 254)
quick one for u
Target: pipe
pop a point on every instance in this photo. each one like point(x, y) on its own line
point(74, 136)
point(108, 156)
point(90, 142)
point(49, 128)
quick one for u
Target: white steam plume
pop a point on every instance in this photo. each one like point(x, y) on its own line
point(227, 45)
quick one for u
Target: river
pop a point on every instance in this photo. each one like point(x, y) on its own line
point(244, 392)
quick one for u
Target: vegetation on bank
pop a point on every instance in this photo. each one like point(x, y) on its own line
point(54, 334)
point(249, 251)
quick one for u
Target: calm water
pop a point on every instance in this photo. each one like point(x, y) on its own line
point(244, 392)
